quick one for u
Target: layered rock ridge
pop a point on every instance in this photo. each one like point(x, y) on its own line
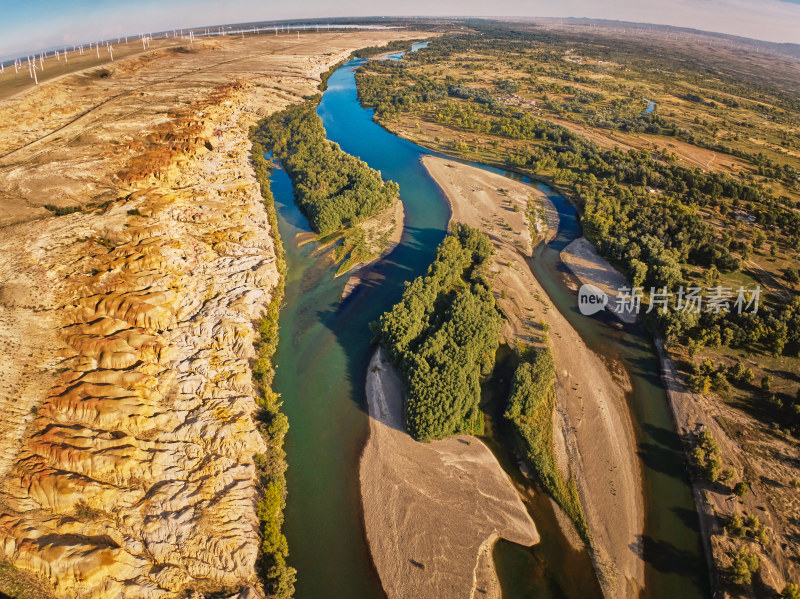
point(137, 472)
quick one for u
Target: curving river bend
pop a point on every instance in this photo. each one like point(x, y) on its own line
point(321, 363)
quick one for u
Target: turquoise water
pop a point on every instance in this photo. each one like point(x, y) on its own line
point(324, 349)
point(321, 363)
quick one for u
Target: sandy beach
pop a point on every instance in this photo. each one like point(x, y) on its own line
point(432, 510)
point(593, 431)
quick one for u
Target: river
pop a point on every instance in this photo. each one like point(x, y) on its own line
point(321, 363)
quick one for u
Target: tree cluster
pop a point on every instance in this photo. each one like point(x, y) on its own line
point(443, 335)
point(529, 410)
point(333, 189)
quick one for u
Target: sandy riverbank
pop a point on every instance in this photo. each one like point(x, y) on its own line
point(585, 263)
point(383, 233)
point(593, 431)
point(432, 510)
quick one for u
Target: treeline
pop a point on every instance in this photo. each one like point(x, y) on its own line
point(277, 576)
point(530, 409)
point(333, 189)
point(392, 47)
point(443, 335)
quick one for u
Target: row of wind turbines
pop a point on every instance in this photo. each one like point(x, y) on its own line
point(36, 63)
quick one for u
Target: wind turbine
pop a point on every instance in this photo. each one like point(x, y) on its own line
point(111, 52)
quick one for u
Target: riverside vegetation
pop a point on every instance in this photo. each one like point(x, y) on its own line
point(664, 223)
point(443, 335)
point(530, 408)
point(334, 190)
point(278, 577)
point(702, 191)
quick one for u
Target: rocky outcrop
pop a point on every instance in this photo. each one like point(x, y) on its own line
point(128, 441)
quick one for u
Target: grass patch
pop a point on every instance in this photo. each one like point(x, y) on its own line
point(18, 584)
point(85, 512)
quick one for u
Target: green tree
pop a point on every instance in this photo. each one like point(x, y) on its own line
point(790, 591)
point(745, 564)
point(758, 239)
point(735, 526)
point(728, 475)
point(740, 489)
point(443, 336)
point(713, 468)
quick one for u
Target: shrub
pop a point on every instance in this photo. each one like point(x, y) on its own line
point(63, 210)
point(790, 591)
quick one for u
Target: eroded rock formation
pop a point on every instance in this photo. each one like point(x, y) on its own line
point(137, 471)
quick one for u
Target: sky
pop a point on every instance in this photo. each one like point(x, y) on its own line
point(31, 25)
